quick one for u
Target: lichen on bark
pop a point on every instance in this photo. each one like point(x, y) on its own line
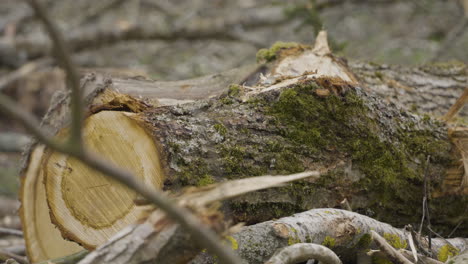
point(377, 151)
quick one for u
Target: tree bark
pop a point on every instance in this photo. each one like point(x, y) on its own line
point(346, 233)
point(304, 111)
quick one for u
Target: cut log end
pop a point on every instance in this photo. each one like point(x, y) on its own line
point(86, 206)
point(43, 239)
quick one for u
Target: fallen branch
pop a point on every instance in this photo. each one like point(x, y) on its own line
point(23, 71)
point(421, 258)
point(342, 231)
point(13, 142)
point(392, 254)
point(457, 106)
point(10, 232)
point(158, 241)
point(5, 255)
point(302, 252)
point(71, 259)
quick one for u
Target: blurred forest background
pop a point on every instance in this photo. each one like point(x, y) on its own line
point(180, 39)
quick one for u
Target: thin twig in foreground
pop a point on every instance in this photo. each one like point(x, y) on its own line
point(70, 259)
point(64, 58)
point(459, 223)
point(199, 232)
point(10, 232)
point(19, 259)
point(457, 106)
point(391, 253)
point(23, 71)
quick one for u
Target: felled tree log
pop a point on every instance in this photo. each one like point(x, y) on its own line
point(346, 233)
point(303, 111)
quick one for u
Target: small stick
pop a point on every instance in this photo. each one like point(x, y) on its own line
point(24, 71)
point(71, 259)
point(392, 254)
point(457, 106)
point(17, 258)
point(10, 232)
point(422, 258)
point(302, 252)
point(345, 205)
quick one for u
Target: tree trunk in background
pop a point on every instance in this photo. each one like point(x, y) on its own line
point(310, 113)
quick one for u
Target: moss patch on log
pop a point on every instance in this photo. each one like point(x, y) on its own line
point(292, 130)
point(329, 242)
point(278, 50)
point(344, 124)
point(447, 251)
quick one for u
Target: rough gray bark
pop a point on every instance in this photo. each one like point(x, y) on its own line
point(301, 252)
point(460, 259)
point(214, 140)
point(428, 89)
point(346, 233)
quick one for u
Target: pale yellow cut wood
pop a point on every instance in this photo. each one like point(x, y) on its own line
point(87, 206)
point(43, 240)
point(317, 62)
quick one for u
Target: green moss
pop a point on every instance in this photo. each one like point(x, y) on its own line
point(329, 242)
point(345, 125)
point(272, 53)
point(379, 75)
point(174, 146)
point(232, 159)
point(226, 100)
point(234, 244)
point(234, 90)
point(285, 160)
point(205, 180)
point(194, 172)
point(453, 67)
point(447, 251)
point(395, 241)
point(294, 238)
point(364, 242)
point(221, 129)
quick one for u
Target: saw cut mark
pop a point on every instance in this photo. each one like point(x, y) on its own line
point(87, 206)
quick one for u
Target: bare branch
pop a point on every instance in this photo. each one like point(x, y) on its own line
point(302, 252)
point(9, 107)
point(422, 259)
point(63, 56)
point(17, 258)
point(457, 106)
point(391, 253)
point(13, 142)
point(23, 71)
point(230, 189)
point(71, 259)
point(11, 232)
